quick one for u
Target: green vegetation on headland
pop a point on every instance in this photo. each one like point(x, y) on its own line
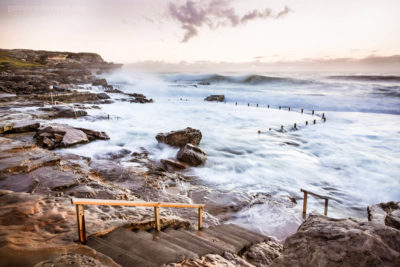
point(7, 61)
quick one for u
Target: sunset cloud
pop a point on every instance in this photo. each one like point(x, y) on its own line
point(215, 14)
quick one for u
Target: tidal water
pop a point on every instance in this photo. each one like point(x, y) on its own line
point(353, 158)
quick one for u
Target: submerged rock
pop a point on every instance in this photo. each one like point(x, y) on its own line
point(218, 98)
point(180, 138)
point(323, 241)
point(62, 112)
point(192, 155)
point(385, 213)
point(139, 98)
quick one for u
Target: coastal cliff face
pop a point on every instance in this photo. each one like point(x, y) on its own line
point(29, 71)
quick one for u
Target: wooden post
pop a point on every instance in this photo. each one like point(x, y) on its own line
point(289, 109)
point(157, 216)
point(306, 122)
point(315, 121)
point(305, 203)
point(302, 110)
point(81, 224)
point(295, 126)
point(268, 106)
point(235, 103)
point(200, 218)
point(282, 127)
point(312, 112)
point(324, 119)
point(279, 107)
point(326, 207)
point(257, 105)
point(248, 104)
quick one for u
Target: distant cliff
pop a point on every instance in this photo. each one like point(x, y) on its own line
point(25, 72)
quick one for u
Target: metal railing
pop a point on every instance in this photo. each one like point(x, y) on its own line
point(306, 192)
point(79, 202)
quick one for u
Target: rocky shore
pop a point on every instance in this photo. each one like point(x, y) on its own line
point(37, 180)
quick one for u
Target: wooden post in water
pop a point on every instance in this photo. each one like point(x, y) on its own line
point(282, 127)
point(305, 203)
point(81, 223)
point(326, 207)
point(289, 109)
point(157, 216)
point(248, 104)
point(306, 122)
point(279, 107)
point(200, 218)
point(324, 119)
point(312, 112)
point(302, 110)
point(295, 126)
point(268, 106)
point(315, 121)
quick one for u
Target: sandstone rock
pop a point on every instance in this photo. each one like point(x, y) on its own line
point(57, 135)
point(262, 254)
point(25, 126)
point(172, 165)
point(180, 138)
point(218, 98)
point(139, 98)
point(103, 96)
point(323, 241)
point(192, 155)
point(71, 260)
point(114, 154)
point(62, 112)
point(94, 135)
point(385, 213)
point(100, 82)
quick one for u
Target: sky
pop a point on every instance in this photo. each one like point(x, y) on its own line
point(127, 31)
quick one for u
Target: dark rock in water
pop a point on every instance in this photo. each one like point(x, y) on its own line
point(139, 98)
point(323, 241)
point(172, 165)
point(25, 126)
point(103, 96)
point(204, 83)
point(115, 91)
point(55, 136)
point(192, 155)
point(385, 213)
point(181, 137)
point(218, 98)
point(114, 155)
point(94, 135)
point(100, 82)
point(62, 112)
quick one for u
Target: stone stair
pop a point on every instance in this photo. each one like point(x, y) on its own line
point(142, 248)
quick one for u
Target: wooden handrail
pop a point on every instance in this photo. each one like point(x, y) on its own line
point(306, 192)
point(79, 202)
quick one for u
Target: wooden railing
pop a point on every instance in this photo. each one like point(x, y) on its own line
point(316, 195)
point(79, 202)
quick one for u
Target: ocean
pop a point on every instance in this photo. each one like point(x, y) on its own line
point(353, 157)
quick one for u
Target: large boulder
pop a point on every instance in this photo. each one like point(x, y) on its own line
point(323, 241)
point(385, 213)
point(180, 138)
point(192, 155)
point(218, 98)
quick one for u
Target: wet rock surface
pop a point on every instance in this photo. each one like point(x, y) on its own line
point(139, 98)
point(323, 241)
point(385, 213)
point(217, 98)
point(180, 138)
point(72, 260)
point(192, 155)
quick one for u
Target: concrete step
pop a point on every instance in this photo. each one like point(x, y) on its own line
point(119, 255)
point(142, 248)
point(244, 233)
point(148, 246)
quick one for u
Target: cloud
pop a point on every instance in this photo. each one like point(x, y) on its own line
point(215, 14)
